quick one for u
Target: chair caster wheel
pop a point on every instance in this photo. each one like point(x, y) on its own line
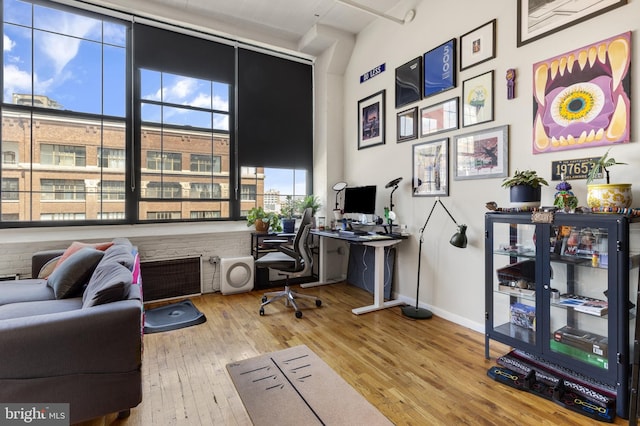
point(298, 314)
point(318, 303)
point(261, 312)
point(264, 299)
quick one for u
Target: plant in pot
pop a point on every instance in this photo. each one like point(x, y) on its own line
point(606, 195)
point(263, 221)
point(525, 188)
point(313, 202)
point(288, 222)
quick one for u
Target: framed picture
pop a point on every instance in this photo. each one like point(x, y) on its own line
point(408, 125)
point(477, 99)
point(483, 154)
point(537, 19)
point(408, 82)
point(589, 104)
point(478, 46)
point(440, 117)
point(440, 69)
point(371, 127)
point(431, 168)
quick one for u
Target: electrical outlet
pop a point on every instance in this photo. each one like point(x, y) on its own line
point(214, 260)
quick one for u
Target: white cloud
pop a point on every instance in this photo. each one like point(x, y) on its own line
point(220, 104)
point(8, 44)
point(60, 49)
point(16, 80)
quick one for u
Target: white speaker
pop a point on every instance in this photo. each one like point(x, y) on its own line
point(236, 275)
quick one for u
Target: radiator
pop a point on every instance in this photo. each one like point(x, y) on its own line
point(171, 278)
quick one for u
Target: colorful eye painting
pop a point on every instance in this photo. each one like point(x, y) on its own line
point(581, 99)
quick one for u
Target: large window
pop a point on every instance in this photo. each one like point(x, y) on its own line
point(63, 155)
point(64, 98)
point(109, 120)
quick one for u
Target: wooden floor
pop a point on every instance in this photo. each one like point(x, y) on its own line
point(429, 372)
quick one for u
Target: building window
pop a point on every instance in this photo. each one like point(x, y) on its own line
point(111, 158)
point(63, 216)
point(163, 215)
point(164, 190)
point(62, 189)
point(111, 215)
point(111, 190)
point(9, 157)
point(205, 163)
point(10, 189)
point(164, 160)
point(205, 190)
point(63, 155)
point(204, 215)
point(248, 192)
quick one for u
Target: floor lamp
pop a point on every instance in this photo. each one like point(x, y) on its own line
point(459, 239)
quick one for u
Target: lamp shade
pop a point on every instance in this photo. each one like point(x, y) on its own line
point(459, 239)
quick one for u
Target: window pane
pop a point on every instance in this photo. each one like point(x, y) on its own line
point(17, 12)
point(17, 65)
point(115, 82)
point(63, 22)
point(185, 161)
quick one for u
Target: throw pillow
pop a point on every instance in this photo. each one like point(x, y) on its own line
point(48, 268)
point(77, 245)
point(120, 254)
point(109, 283)
point(67, 279)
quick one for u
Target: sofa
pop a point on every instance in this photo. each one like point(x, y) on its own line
point(73, 332)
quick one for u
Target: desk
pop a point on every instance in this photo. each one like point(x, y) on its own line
point(378, 243)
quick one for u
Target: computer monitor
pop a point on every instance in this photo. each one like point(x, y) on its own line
point(360, 199)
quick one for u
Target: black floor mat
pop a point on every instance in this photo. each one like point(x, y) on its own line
point(172, 317)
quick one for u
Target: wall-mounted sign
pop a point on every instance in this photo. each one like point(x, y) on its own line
point(372, 73)
point(572, 169)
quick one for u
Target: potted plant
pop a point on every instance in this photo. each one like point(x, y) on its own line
point(288, 222)
point(263, 221)
point(525, 188)
point(310, 201)
point(606, 195)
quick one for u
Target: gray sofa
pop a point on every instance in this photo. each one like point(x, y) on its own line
point(75, 336)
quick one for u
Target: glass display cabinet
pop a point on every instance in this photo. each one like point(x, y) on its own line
point(565, 291)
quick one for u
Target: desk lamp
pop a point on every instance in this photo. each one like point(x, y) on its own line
point(459, 240)
point(394, 183)
point(339, 187)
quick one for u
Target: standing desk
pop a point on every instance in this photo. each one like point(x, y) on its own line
point(378, 242)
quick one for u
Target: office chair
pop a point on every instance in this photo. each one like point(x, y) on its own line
point(291, 262)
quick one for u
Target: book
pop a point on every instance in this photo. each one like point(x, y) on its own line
point(587, 305)
point(593, 307)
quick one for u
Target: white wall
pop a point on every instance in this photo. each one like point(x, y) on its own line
point(452, 280)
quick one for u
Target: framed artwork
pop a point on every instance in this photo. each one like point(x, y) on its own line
point(371, 127)
point(483, 154)
point(477, 99)
point(588, 102)
point(440, 69)
point(537, 19)
point(478, 46)
point(407, 126)
point(431, 168)
point(408, 82)
point(440, 117)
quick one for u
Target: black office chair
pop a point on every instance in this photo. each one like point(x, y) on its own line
point(291, 262)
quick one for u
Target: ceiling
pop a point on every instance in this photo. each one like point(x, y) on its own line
point(285, 20)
